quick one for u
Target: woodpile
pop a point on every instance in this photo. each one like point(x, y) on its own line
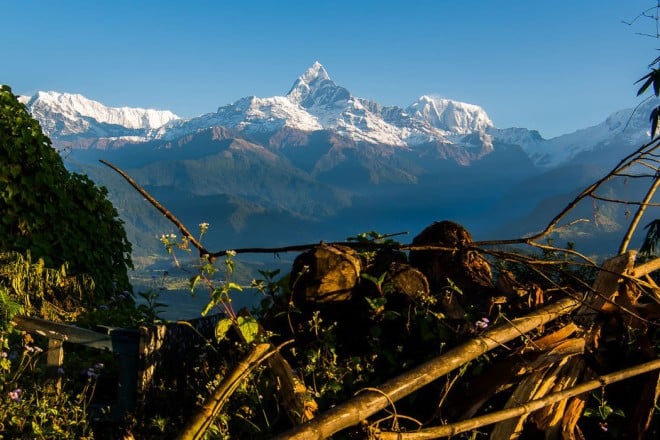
point(546, 377)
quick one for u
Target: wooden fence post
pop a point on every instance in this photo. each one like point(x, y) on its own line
point(125, 343)
point(54, 360)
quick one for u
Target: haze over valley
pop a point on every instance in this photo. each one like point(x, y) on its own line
point(318, 163)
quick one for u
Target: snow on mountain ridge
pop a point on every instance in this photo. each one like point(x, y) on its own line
point(74, 105)
point(335, 108)
point(359, 119)
point(264, 114)
point(453, 116)
point(315, 102)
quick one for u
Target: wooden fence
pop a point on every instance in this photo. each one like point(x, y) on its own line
point(143, 353)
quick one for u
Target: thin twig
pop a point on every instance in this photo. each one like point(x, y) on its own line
point(624, 202)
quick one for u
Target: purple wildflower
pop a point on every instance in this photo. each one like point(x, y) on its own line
point(15, 395)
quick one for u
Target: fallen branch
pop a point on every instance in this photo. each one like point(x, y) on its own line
point(366, 404)
point(498, 416)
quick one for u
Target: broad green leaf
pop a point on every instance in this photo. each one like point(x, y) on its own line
point(649, 79)
point(221, 329)
point(249, 328)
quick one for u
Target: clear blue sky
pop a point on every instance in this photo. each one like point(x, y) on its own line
point(555, 66)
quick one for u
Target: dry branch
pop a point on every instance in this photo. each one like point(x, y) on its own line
point(495, 417)
point(366, 404)
point(638, 215)
point(159, 207)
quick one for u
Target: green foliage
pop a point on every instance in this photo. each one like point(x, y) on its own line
point(604, 413)
point(60, 217)
point(39, 290)
point(220, 290)
point(652, 79)
point(33, 406)
point(8, 308)
point(149, 310)
point(372, 241)
point(651, 239)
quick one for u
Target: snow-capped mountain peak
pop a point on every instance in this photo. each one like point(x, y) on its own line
point(75, 105)
point(65, 114)
point(453, 116)
point(314, 88)
point(315, 72)
point(314, 102)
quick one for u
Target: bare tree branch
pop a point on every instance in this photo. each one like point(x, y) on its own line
point(159, 207)
point(638, 216)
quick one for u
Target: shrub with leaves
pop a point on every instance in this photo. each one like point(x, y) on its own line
point(60, 217)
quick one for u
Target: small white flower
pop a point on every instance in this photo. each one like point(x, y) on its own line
point(231, 253)
point(482, 323)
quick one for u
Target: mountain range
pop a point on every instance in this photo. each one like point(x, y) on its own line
point(319, 164)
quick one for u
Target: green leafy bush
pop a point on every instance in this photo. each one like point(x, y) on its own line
point(60, 217)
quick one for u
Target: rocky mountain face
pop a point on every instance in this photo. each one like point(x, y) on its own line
point(320, 163)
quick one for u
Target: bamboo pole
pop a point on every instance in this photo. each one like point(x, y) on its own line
point(646, 268)
point(497, 416)
point(368, 403)
point(638, 215)
point(197, 427)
